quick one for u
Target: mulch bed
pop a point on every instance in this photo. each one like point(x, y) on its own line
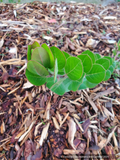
point(36, 124)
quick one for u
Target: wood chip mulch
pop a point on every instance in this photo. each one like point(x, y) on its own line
point(36, 124)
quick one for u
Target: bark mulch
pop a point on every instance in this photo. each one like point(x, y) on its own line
point(36, 124)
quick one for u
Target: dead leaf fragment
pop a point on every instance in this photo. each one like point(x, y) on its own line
point(56, 123)
point(5, 77)
point(44, 134)
point(85, 125)
point(110, 41)
point(91, 102)
point(47, 38)
point(19, 153)
point(38, 155)
point(91, 43)
point(70, 44)
point(2, 127)
point(1, 42)
point(28, 149)
point(27, 85)
point(13, 52)
point(110, 18)
point(110, 152)
point(102, 143)
point(71, 132)
point(23, 136)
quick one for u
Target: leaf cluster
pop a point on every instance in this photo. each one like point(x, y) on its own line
point(62, 72)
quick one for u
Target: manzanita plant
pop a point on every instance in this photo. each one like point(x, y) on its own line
point(62, 72)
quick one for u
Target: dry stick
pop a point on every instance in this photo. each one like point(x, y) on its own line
point(79, 125)
point(13, 61)
point(4, 70)
point(91, 102)
point(100, 94)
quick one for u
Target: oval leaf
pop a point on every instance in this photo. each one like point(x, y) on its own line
point(36, 68)
point(107, 76)
point(86, 84)
point(61, 86)
point(112, 67)
point(50, 82)
point(60, 57)
point(40, 55)
point(104, 62)
point(74, 68)
point(91, 55)
point(96, 74)
point(74, 85)
point(66, 54)
point(87, 62)
point(58, 87)
point(35, 79)
point(97, 56)
point(50, 54)
point(29, 49)
point(110, 59)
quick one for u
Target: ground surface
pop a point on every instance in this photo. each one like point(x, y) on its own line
point(36, 124)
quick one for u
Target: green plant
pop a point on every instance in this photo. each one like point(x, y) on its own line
point(62, 72)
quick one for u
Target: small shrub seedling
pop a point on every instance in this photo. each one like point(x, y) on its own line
point(62, 72)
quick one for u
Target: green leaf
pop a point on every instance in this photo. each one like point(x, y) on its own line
point(110, 59)
point(96, 74)
point(86, 84)
point(74, 85)
point(74, 68)
point(40, 55)
point(50, 82)
point(29, 50)
point(104, 62)
point(50, 54)
point(112, 67)
point(97, 56)
point(66, 54)
point(108, 75)
point(91, 55)
point(61, 72)
point(87, 62)
point(66, 83)
point(35, 79)
point(55, 70)
point(60, 57)
point(36, 68)
point(61, 86)
point(89, 84)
